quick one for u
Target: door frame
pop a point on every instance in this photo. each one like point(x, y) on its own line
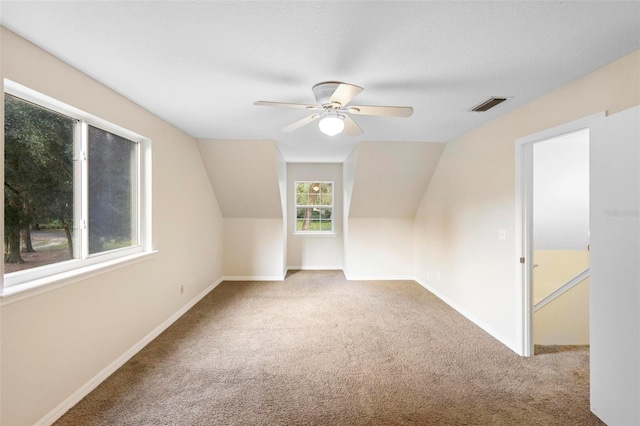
point(524, 224)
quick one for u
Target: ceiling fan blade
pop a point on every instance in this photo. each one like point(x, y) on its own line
point(300, 123)
point(388, 111)
point(345, 93)
point(350, 126)
point(286, 105)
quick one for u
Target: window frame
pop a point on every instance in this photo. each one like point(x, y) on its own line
point(84, 262)
point(296, 206)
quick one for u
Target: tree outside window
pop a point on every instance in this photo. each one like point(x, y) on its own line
point(71, 191)
point(314, 206)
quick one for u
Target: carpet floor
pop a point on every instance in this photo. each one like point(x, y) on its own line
point(316, 349)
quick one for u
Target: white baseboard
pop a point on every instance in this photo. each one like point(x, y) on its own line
point(85, 389)
point(380, 277)
point(493, 333)
point(254, 278)
point(314, 268)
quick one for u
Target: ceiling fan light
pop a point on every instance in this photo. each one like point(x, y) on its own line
point(331, 125)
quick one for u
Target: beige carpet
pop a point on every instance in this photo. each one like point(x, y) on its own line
point(319, 350)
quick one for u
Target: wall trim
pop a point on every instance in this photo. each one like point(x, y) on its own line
point(314, 268)
point(253, 278)
point(380, 277)
point(53, 415)
point(498, 336)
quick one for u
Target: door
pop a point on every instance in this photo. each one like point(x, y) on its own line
point(615, 268)
point(524, 235)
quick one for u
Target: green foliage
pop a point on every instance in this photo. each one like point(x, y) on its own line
point(38, 168)
point(314, 225)
point(314, 194)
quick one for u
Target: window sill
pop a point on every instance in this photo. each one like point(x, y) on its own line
point(42, 285)
point(315, 234)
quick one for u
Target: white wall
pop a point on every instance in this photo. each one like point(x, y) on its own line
point(282, 182)
point(348, 177)
point(615, 268)
point(315, 251)
point(54, 343)
point(472, 195)
point(561, 192)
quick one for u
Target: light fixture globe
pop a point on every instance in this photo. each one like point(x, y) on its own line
point(331, 125)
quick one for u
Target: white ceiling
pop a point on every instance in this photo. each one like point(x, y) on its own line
point(201, 65)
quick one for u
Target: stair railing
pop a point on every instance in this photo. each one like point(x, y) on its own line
point(562, 290)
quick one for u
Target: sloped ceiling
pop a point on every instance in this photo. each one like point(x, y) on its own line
point(244, 176)
point(391, 178)
point(200, 65)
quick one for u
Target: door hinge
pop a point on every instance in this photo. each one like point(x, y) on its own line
point(522, 260)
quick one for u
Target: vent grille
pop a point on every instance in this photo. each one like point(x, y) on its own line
point(488, 104)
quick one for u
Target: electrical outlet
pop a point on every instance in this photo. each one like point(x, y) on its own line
point(502, 234)
point(182, 289)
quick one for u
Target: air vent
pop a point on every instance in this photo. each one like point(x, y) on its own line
point(488, 104)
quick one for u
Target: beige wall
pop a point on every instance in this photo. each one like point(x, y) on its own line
point(390, 178)
point(54, 343)
point(380, 249)
point(253, 249)
point(244, 176)
point(565, 321)
point(471, 196)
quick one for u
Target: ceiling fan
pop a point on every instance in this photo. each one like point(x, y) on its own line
point(332, 99)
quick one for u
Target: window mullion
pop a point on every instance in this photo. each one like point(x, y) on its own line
point(77, 189)
point(84, 190)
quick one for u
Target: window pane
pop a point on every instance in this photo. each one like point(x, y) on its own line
point(38, 190)
point(318, 195)
point(325, 188)
point(326, 226)
point(314, 198)
point(113, 212)
point(302, 199)
point(303, 187)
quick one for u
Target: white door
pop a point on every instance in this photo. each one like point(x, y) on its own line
point(615, 268)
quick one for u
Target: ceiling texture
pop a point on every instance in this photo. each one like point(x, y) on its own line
point(200, 65)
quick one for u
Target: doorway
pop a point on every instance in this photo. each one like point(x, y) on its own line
point(552, 234)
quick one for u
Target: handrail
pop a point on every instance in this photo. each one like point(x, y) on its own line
point(563, 289)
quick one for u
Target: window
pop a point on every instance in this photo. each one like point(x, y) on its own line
point(314, 207)
point(74, 188)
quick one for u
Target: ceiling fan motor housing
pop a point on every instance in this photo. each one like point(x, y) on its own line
point(323, 91)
